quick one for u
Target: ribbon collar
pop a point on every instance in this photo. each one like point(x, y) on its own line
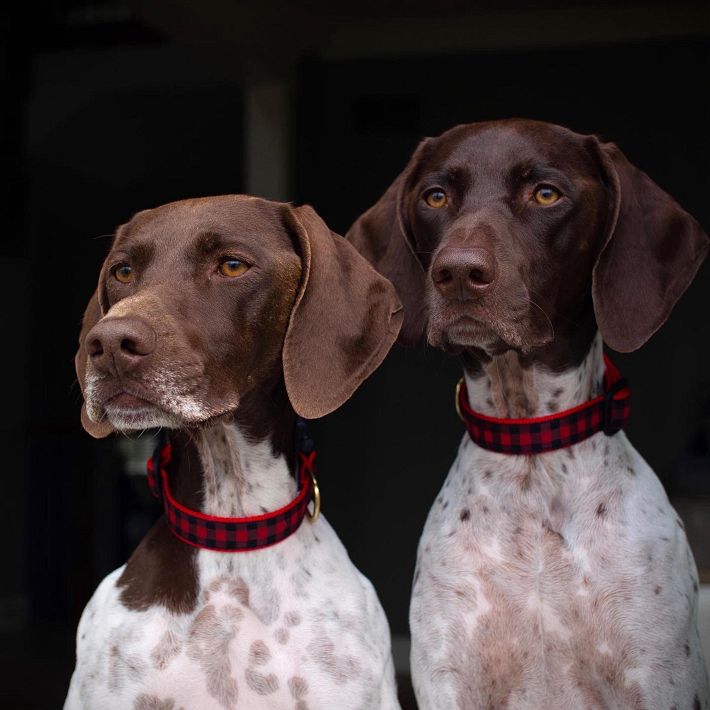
point(608, 413)
point(238, 534)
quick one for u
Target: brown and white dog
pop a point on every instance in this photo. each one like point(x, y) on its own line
point(560, 580)
point(220, 319)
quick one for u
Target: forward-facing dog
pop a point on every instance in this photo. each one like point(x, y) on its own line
point(552, 571)
point(221, 319)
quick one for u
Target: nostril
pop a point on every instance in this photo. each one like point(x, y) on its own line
point(443, 276)
point(131, 346)
point(479, 277)
point(95, 348)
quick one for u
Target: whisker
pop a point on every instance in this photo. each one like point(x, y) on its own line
point(542, 310)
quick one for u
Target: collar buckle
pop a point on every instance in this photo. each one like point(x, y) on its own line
point(457, 398)
point(314, 514)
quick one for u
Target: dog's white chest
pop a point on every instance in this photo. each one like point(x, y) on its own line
point(291, 626)
point(531, 590)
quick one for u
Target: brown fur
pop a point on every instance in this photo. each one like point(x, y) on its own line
point(615, 223)
point(301, 329)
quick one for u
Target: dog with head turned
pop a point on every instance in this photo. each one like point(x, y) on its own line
point(563, 579)
point(220, 320)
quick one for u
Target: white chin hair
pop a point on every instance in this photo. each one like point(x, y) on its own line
point(139, 419)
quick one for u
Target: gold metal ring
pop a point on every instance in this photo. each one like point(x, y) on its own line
point(313, 516)
point(459, 384)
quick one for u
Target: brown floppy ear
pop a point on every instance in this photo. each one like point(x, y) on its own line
point(92, 315)
point(381, 236)
point(651, 252)
point(344, 320)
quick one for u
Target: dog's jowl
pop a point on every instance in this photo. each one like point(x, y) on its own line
point(220, 320)
point(552, 571)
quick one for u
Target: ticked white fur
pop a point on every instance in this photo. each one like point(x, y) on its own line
point(556, 581)
point(290, 626)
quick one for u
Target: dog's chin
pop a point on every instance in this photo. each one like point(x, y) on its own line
point(491, 337)
point(128, 419)
point(126, 412)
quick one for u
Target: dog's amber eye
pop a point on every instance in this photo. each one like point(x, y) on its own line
point(232, 268)
point(546, 195)
point(436, 198)
point(123, 273)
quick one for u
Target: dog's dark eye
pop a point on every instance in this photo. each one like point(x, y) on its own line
point(436, 198)
point(123, 273)
point(232, 267)
point(546, 195)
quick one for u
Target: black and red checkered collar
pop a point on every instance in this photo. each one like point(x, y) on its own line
point(608, 413)
point(238, 534)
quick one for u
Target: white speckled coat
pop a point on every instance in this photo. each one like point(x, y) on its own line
point(562, 580)
point(291, 626)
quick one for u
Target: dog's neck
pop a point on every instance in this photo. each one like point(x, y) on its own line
point(236, 467)
point(505, 387)
point(241, 476)
point(239, 466)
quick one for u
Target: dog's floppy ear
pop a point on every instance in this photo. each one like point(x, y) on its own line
point(344, 320)
point(92, 315)
point(650, 254)
point(381, 236)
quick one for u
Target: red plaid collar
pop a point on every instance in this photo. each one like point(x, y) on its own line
point(608, 413)
point(237, 534)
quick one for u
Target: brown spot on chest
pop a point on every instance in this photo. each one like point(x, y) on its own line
point(167, 648)
point(208, 644)
point(261, 683)
point(239, 589)
point(259, 654)
point(161, 572)
point(292, 618)
point(298, 687)
point(153, 702)
point(341, 668)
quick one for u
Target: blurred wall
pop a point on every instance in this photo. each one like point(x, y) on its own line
point(110, 132)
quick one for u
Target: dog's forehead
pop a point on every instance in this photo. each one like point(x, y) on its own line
point(239, 217)
point(497, 146)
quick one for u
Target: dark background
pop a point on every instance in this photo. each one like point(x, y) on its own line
point(113, 107)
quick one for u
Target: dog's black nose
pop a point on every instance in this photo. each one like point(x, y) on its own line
point(118, 345)
point(460, 273)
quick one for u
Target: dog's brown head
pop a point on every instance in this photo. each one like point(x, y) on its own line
point(200, 303)
point(516, 234)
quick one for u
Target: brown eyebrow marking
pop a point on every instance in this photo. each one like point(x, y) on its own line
point(139, 254)
point(526, 171)
point(209, 242)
